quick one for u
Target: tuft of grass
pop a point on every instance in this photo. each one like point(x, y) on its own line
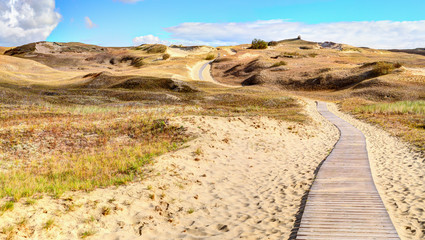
point(210, 56)
point(198, 151)
point(48, 224)
point(22, 223)
point(90, 219)
point(9, 231)
point(87, 233)
point(278, 64)
point(29, 202)
point(152, 196)
point(191, 210)
point(8, 206)
point(106, 211)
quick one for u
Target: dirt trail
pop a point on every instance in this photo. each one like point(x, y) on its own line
point(202, 71)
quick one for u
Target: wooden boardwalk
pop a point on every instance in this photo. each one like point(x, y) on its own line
point(343, 202)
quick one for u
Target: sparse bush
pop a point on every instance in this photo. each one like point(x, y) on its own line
point(278, 64)
point(273, 43)
point(210, 57)
point(258, 44)
point(166, 56)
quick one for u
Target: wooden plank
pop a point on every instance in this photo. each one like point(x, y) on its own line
point(343, 202)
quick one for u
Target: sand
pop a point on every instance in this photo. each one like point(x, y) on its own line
point(206, 74)
point(399, 174)
point(240, 178)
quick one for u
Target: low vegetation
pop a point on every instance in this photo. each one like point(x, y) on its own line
point(405, 119)
point(383, 68)
point(166, 56)
point(278, 64)
point(210, 57)
point(79, 151)
point(153, 48)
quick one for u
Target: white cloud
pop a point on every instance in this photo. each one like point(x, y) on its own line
point(24, 21)
point(377, 34)
point(149, 39)
point(89, 23)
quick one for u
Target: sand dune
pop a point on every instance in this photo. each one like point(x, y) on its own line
point(241, 178)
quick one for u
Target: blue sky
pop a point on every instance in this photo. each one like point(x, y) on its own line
point(130, 22)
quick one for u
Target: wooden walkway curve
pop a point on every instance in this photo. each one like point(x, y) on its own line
point(343, 202)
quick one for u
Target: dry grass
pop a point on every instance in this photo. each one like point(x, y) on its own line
point(56, 149)
point(405, 119)
point(210, 57)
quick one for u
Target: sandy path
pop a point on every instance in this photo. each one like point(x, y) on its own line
point(201, 71)
point(399, 175)
point(241, 178)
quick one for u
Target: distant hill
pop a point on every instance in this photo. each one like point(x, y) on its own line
point(420, 51)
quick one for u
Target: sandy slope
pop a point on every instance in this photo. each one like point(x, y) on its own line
point(241, 178)
point(399, 174)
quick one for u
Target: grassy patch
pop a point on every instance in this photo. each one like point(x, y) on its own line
point(8, 206)
point(86, 234)
point(210, 57)
point(49, 224)
point(404, 119)
point(402, 107)
point(383, 68)
point(77, 151)
point(153, 48)
point(278, 64)
point(264, 104)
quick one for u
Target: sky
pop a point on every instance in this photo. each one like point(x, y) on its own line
point(368, 23)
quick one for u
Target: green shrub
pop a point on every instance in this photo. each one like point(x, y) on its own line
point(210, 57)
point(258, 44)
point(278, 64)
point(166, 56)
